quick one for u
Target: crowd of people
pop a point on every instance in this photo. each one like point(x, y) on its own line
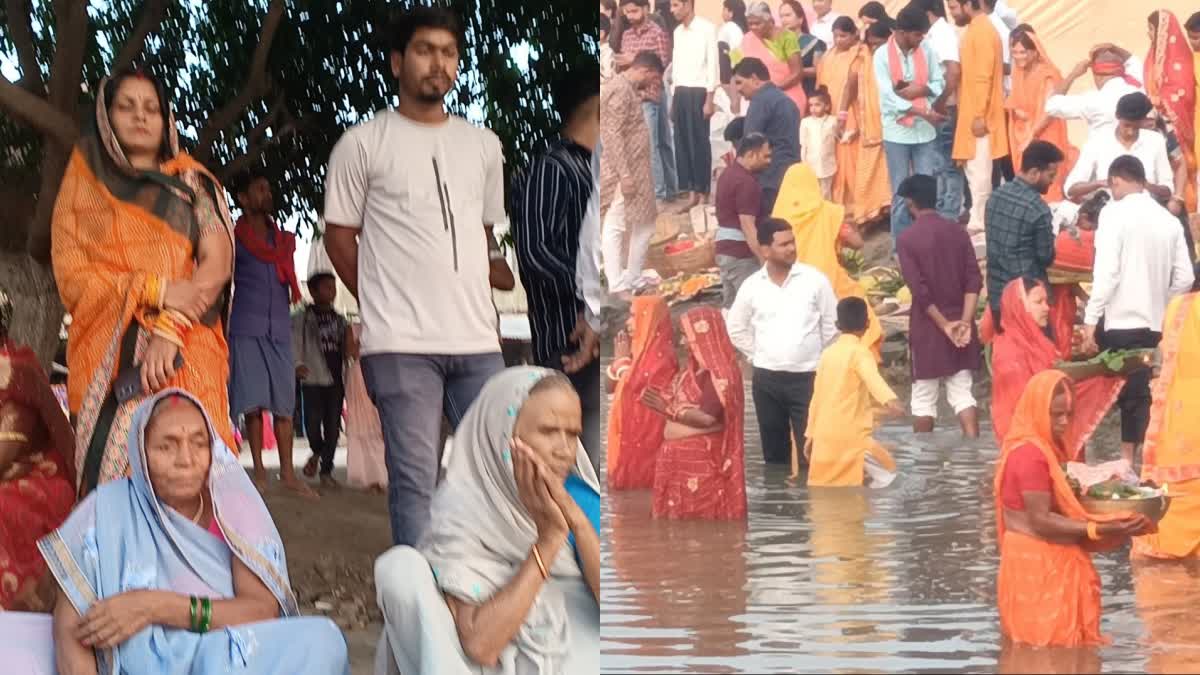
point(946, 125)
point(131, 538)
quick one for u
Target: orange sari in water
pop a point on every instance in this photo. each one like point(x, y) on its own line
point(1173, 436)
point(635, 432)
point(1048, 593)
point(1171, 83)
point(703, 476)
point(872, 190)
point(1023, 351)
point(834, 72)
point(1026, 107)
point(817, 225)
point(37, 491)
point(118, 233)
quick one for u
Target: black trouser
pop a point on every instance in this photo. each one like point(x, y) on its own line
point(587, 385)
point(1134, 400)
point(323, 421)
point(693, 149)
point(781, 402)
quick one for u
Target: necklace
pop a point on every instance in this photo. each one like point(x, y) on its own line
point(199, 511)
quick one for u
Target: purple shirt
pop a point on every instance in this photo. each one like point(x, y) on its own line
point(261, 306)
point(938, 262)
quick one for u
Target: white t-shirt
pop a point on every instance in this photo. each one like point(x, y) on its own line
point(943, 40)
point(731, 34)
point(422, 254)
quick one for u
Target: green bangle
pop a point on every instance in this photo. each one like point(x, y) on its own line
point(192, 621)
point(206, 615)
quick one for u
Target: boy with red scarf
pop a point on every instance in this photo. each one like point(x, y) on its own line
point(261, 368)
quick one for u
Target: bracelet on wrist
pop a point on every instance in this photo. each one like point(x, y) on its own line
point(537, 557)
point(193, 625)
point(1092, 532)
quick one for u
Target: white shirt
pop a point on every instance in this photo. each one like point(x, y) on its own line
point(1004, 31)
point(587, 264)
point(784, 328)
point(694, 57)
point(1100, 150)
point(731, 34)
point(943, 40)
point(1007, 14)
point(822, 28)
point(818, 144)
point(422, 249)
point(1097, 107)
point(1141, 263)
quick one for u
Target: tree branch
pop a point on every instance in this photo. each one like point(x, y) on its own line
point(70, 43)
point(38, 113)
point(255, 151)
point(153, 13)
point(255, 86)
point(22, 37)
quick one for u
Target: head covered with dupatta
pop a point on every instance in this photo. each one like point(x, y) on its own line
point(122, 537)
point(481, 532)
point(711, 350)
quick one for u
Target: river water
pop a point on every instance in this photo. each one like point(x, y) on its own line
point(859, 581)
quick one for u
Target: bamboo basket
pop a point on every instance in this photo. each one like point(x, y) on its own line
point(699, 258)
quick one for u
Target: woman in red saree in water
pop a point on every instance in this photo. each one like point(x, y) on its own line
point(37, 485)
point(1024, 349)
point(700, 472)
point(645, 357)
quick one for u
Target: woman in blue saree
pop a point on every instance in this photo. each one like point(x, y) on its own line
point(506, 581)
point(179, 569)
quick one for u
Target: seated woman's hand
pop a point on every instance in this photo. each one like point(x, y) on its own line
point(158, 364)
point(110, 622)
point(549, 519)
point(187, 298)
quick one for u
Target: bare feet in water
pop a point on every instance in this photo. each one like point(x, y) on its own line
point(261, 481)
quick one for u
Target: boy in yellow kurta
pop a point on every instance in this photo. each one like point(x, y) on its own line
point(838, 439)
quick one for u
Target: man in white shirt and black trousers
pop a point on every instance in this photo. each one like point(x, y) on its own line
point(696, 72)
point(783, 318)
point(1141, 263)
point(548, 205)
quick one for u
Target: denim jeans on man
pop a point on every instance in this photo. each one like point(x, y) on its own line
point(950, 179)
point(412, 392)
point(904, 160)
point(662, 148)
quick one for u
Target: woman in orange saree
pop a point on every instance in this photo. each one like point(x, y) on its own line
point(1171, 83)
point(1047, 589)
point(644, 359)
point(818, 226)
point(700, 471)
point(143, 254)
point(836, 73)
point(1023, 350)
point(37, 486)
point(872, 187)
point(1173, 436)
point(1034, 78)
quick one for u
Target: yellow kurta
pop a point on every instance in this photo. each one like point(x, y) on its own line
point(840, 418)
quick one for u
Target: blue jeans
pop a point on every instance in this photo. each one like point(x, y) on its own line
point(904, 160)
point(950, 180)
point(662, 148)
point(411, 392)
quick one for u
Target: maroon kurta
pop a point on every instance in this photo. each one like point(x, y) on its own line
point(938, 262)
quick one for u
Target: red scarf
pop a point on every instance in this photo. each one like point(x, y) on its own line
point(1115, 70)
point(920, 76)
point(281, 255)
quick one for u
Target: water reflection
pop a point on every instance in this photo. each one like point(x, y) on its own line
point(849, 580)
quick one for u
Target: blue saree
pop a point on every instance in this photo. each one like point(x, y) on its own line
point(122, 538)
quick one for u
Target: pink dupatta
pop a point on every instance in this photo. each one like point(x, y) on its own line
point(753, 46)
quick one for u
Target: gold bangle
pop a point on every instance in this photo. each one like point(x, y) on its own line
point(180, 320)
point(1092, 533)
point(152, 293)
point(537, 556)
point(162, 294)
point(13, 436)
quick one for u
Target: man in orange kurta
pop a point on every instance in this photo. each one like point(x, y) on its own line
point(838, 438)
point(981, 135)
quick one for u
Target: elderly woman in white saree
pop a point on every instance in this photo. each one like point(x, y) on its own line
point(507, 580)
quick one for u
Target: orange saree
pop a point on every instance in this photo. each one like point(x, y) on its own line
point(119, 234)
point(834, 72)
point(635, 432)
point(1026, 107)
point(1173, 436)
point(1023, 351)
point(1171, 83)
point(872, 190)
point(1048, 594)
point(817, 225)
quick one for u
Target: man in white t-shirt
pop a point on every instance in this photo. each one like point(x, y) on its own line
point(408, 196)
point(822, 28)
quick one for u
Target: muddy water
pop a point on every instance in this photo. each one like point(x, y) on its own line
point(851, 580)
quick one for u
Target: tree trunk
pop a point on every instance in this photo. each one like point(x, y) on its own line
point(37, 310)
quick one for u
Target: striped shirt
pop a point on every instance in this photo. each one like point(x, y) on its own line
point(549, 200)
